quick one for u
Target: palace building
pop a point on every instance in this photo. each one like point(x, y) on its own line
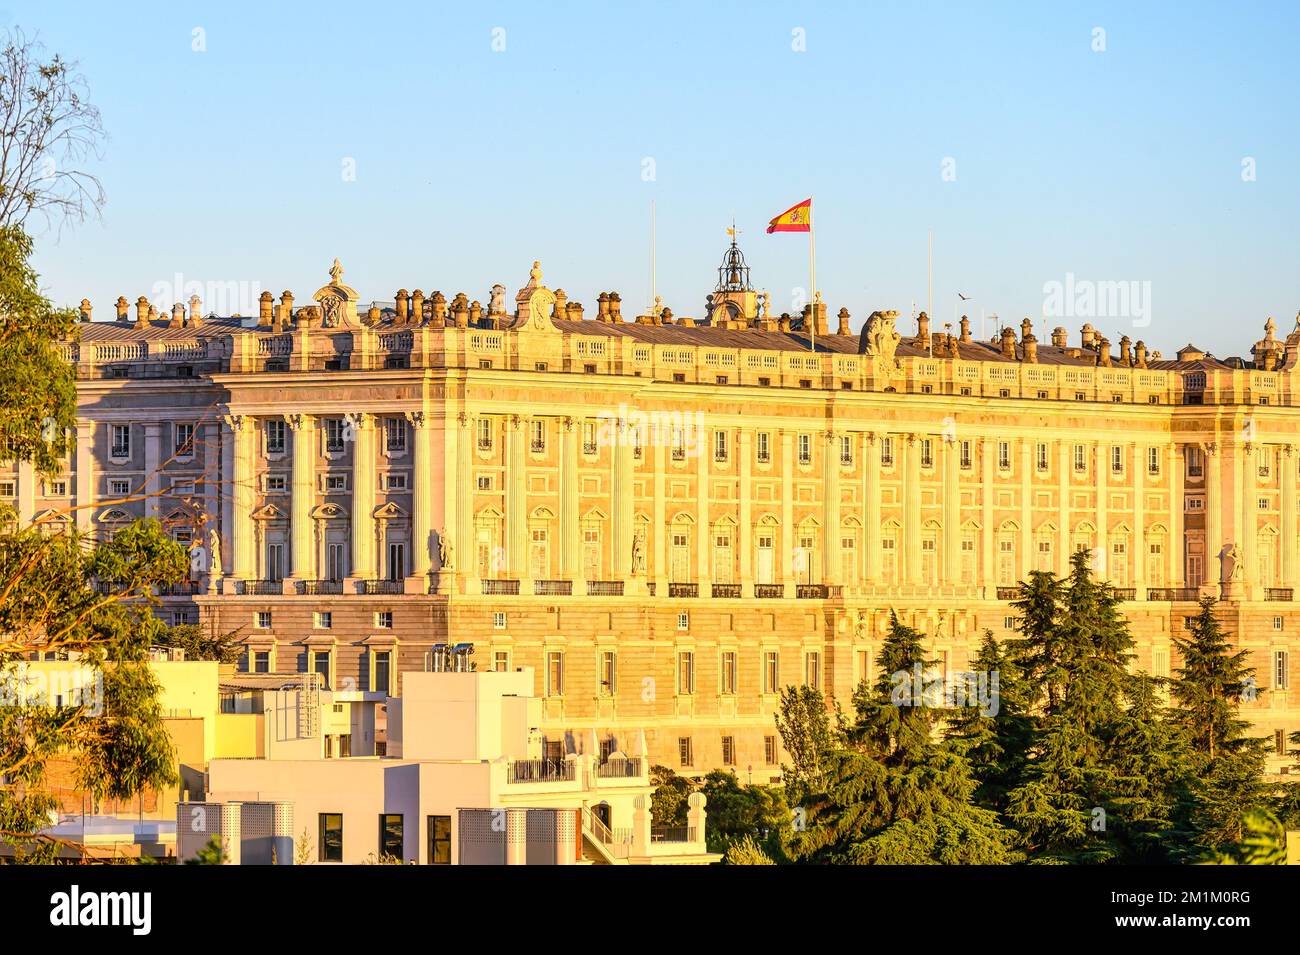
point(669, 519)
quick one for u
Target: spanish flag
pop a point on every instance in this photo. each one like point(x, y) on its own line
point(795, 219)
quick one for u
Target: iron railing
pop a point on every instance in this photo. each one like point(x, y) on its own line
point(1008, 593)
point(501, 587)
point(627, 767)
point(316, 588)
point(683, 590)
point(542, 771)
point(1278, 593)
point(263, 588)
point(604, 588)
point(672, 834)
point(731, 591)
point(553, 588)
point(1173, 593)
point(381, 587)
point(1125, 593)
point(769, 591)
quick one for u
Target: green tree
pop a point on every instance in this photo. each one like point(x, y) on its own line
point(668, 802)
point(1208, 691)
point(747, 851)
point(808, 735)
point(211, 854)
point(200, 644)
point(737, 811)
point(1262, 842)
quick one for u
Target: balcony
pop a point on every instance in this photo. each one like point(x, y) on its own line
point(506, 588)
point(672, 834)
point(650, 587)
point(1173, 594)
point(683, 590)
point(263, 588)
point(604, 588)
point(1125, 593)
point(376, 588)
point(542, 771)
point(318, 588)
point(1008, 593)
point(769, 591)
point(185, 588)
point(553, 588)
point(1278, 593)
point(628, 767)
point(726, 591)
point(818, 591)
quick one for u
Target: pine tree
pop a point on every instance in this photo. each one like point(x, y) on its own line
point(897, 795)
point(1208, 692)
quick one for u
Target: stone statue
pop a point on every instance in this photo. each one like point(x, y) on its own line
point(336, 272)
point(497, 301)
point(214, 554)
point(446, 556)
point(1233, 554)
point(638, 556)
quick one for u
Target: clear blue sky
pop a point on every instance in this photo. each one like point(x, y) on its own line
point(1122, 165)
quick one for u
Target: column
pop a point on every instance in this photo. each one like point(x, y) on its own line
point(788, 531)
point(1103, 511)
point(703, 454)
point(871, 502)
point(422, 468)
point(460, 507)
point(86, 476)
point(621, 501)
point(1027, 466)
point(241, 445)
point(1063, 466)
point(1214, 541)
point(570, 489)
point(1139, 520)
point(951, 512)
point(1177, 507)
point(988, 567)
point(745, 532)
point(363, 496)
point(26, 491)
point(304, 493)
point(911, 509)
point(516, 502)
point(831, 509)
point(1288, 517)
point(657, 448)
point(1247, 509)
point(153, 482)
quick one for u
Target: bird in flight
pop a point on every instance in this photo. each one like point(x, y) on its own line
point(964, 298)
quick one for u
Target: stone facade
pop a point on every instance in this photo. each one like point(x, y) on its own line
point(669, 518)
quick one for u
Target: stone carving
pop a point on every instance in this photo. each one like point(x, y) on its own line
point(879, 342)
point(214, 554)
point(1230, 573)
point(446, 556)
point(336, 272)
point(497, 301)
point(638, 556)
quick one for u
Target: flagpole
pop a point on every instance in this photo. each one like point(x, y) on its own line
point(812, 275)
point(929, 287)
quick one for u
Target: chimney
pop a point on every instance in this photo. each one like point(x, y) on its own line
point(1125, 354)
point(1009, 342)
point(575, 311)
point(844, 323)
point(417, 306)
point(286, 307)
point(178, 315)
point(1060, 339)
point(785, 322)
point(1270, 359)
point(196, 311)
point(615, 307)
point(561, 312)
point(402, 312)
point(141, 310)
point(602, 307)
point(1103, 351)
point(373, 314)
point(666, 317)
point(964, 337)
point(1026, 329)
point(923, 327)
point(460, 310)
point(85, 309)
point(1089, 335)
point(1030, 349)
point(122, 307)
point(265, 306)
point(439, 309)
point(1140, 354)
point(475, 311)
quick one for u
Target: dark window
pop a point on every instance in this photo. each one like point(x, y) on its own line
point(262, 661)
point(390, 835)
point(382, 660)
point(331, 837)
point(440, 840)
point(397, 361)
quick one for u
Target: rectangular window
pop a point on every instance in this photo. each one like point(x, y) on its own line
point(927, 453)
point(771, 672)
point(395, 434)
point(607, 672)
point(965, 456)
point(685, 751)
point(555, 673)
point(813, 670)
point(330, 841)
point(1116, 459)
point(728, 751)
point(498, 620)
point(764, 447)
point(390, 835)
point(501, 661)
point(684, 621)
point(334, 562)
point(1153, 461)
point(440, 840)
point(261, 661)
point(729, 673)
point(276, 484)
point(846, 450)
point(484, 429)
point(384, 619)
point(887, 452)
point(184, 443)
point(1080, 458)
point(1040, 456)
point(1004, 456)
point(537, 443)
point(805, 449)
point(589, 438)
point(275, 431)
point(121, 440)
point(263, 620)
point(320, 665)
point(336, 483)
point(1281, 669)
point(383, 672)
point(769, 750)
point(118, 488)
point(685, 673)
point(324, 620)
point(334, 434)
point(720, 446)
